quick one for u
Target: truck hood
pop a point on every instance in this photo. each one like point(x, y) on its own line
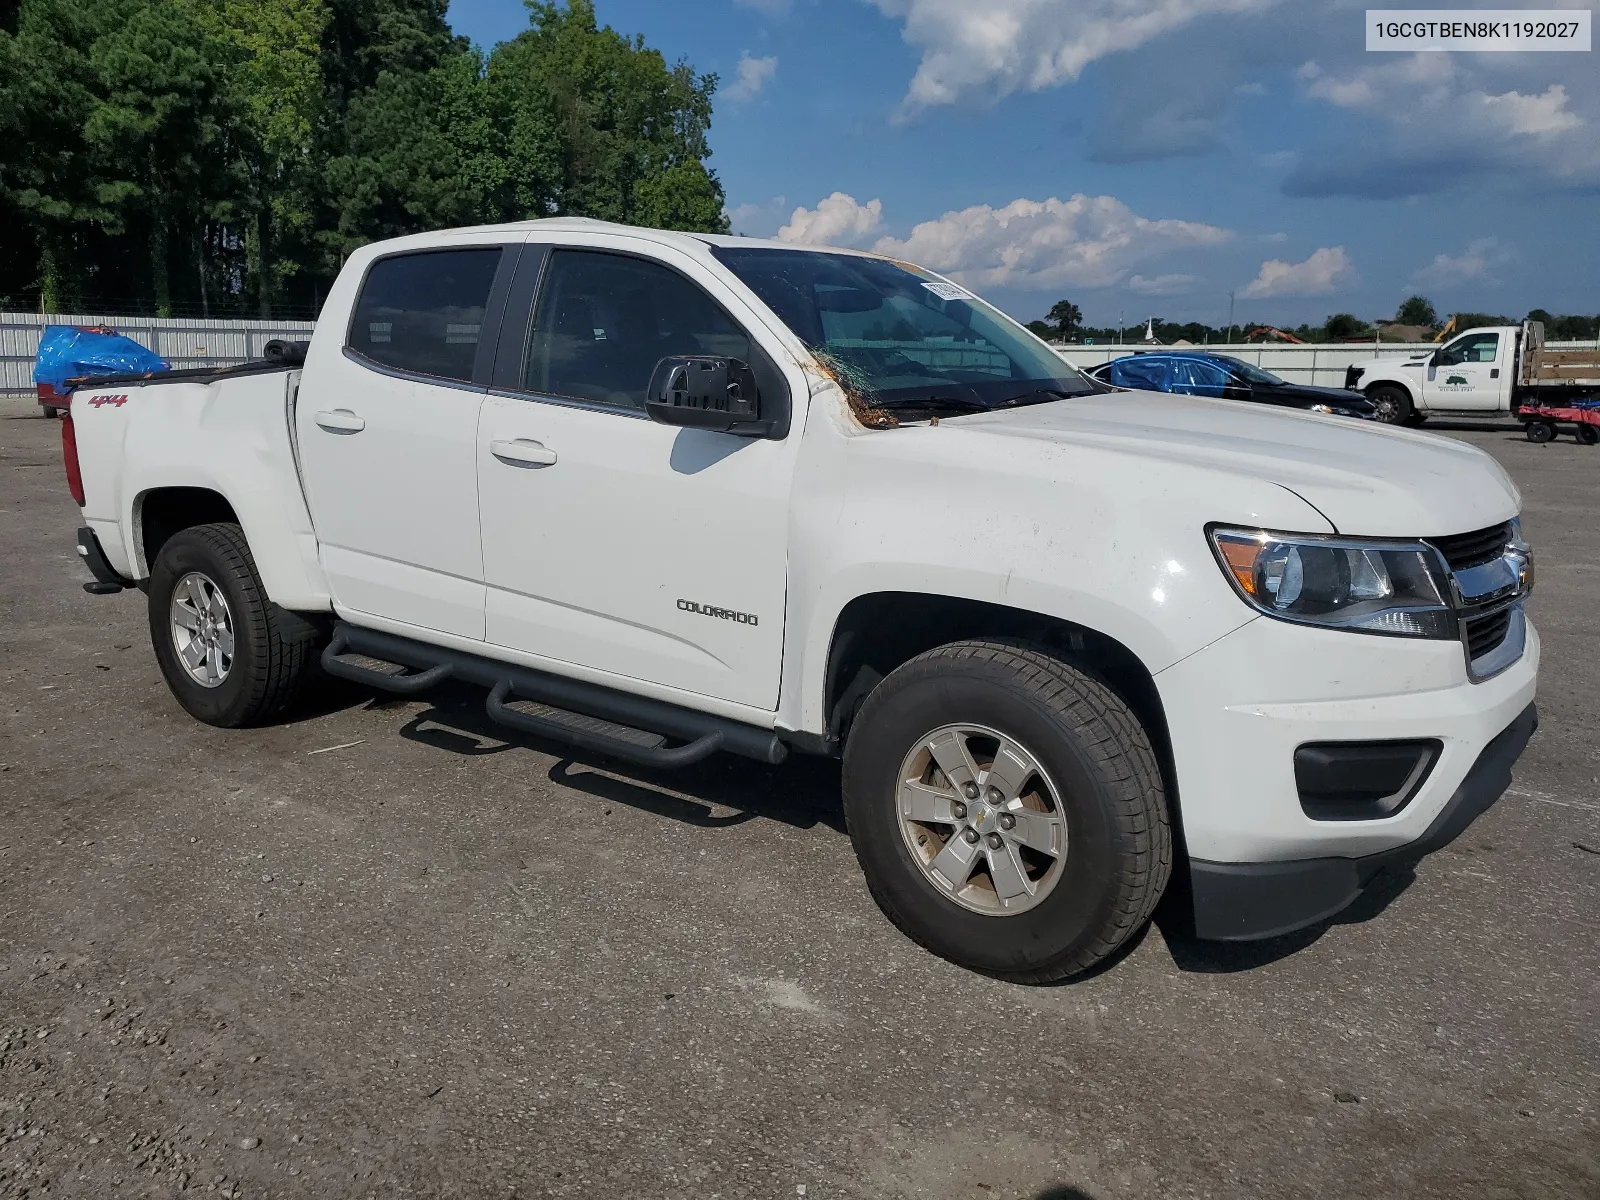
point(1367, 479)
point(1418, 360)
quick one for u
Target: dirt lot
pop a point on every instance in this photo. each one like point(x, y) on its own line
point(379, 951)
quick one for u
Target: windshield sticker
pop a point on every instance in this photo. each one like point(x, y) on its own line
point(946, 291)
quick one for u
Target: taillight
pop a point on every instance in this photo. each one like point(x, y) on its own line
point(69, 455)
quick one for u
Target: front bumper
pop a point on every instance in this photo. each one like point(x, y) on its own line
point(1249, 901)
point(1237, 712)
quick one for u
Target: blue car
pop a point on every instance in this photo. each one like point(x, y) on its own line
point(1196, 373)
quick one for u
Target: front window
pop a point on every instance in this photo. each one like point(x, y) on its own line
point(907, 339)
point(1474, 348)
point(604, 321)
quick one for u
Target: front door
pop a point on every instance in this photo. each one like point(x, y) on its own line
point(387, 429)
point(610, 542)
point(1465, 375)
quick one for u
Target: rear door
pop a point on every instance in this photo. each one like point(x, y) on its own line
point(1466, 375)
point(613, 544)
point(387, 433)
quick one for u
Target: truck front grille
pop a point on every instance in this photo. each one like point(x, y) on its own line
point(1466, 550)
point(1484, 634)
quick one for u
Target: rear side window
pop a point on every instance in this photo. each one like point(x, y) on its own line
point(1146, 374)
point(1197, 377)
point(604, 321)
point(424, 312)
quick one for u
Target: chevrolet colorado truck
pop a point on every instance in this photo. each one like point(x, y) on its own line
point(1494, 370)
point(665, 495)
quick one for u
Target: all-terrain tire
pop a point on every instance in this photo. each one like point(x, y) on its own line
point(1096, 753)
point(273, 648)
point(1393, 404)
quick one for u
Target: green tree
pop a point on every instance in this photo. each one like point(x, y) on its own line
point(424, 150)
point(628, 132)
point(1416, 310)
point(155, 126)
point(1066, 316)
point(1342, 326)
point(275, 90)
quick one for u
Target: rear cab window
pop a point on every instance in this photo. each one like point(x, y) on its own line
point(423, 313)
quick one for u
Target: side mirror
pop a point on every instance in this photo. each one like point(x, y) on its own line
point(705, 392)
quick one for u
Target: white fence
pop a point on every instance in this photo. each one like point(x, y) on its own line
point(182, 342)
point(1322, 363)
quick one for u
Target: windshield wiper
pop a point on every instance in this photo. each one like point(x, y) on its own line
point(1045, 395)
point(959, 403)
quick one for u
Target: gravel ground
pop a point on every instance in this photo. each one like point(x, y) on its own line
point(379, 951)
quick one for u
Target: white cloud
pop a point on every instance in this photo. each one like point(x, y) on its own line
point(1539, 114)
point(1325, 271)
point(753, 74)
point(1475, 264)
point(999, 46)
point(1451, 117)
point(1162, 285)
point(1087, 241)
point(840, 220)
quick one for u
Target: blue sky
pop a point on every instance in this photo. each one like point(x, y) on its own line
point(1146, 157)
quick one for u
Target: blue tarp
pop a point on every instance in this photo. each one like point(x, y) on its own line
point(68, 352)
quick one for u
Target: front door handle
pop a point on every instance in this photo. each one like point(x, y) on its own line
point(340, 420)
point(522, 452)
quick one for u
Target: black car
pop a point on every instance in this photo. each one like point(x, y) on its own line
point(1195, 373)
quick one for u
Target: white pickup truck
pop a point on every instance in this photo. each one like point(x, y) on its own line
point(1495, 369)
point(686, 494)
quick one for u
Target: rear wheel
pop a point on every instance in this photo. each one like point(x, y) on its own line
point(230, 655)
point(1393, 404)
point(1588, 434)
point(1541, 431)
point(1007, 810)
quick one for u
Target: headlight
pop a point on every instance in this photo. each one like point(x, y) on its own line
point(1365, 586)
point(1327, 408)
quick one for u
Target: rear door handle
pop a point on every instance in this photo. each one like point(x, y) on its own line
point(340, 420)
point(522, 452)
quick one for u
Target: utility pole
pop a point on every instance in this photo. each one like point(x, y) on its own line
point(1230, 318)
point(1119, 326)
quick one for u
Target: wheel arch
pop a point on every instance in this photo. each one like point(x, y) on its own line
point(878, 631)
point(161, 512)
point(1370, 386)
point(285, 559)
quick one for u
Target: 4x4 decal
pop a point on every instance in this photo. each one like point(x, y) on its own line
point(102, 401)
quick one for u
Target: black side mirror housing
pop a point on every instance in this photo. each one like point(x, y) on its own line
point(700, 391)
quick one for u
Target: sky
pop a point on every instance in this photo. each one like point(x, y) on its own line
point(1146, 157)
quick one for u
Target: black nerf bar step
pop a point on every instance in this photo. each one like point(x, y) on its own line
point(614, 741)
point(368, 669)
point(627, 727)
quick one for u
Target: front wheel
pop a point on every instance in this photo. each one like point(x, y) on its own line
point(230, 655)
point(1393, 404)
point(1541, 431)
point(1588, 434)
point(1007, 810)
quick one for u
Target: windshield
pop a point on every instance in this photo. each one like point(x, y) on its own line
point(910, 340)
point(1253, 373)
